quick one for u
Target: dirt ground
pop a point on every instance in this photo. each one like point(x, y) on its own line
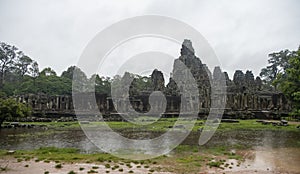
point(32, 167)
point(260, 161)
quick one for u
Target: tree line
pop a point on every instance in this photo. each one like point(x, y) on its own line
point(20, 74)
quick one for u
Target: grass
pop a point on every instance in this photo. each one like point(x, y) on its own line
point(48, 154)
point(107, 166)
point(72, 172)
point(184, 159)
point(56, 125)
point(162, 125)
point(253, 125)
point(92, 171)
point(214, 164)
point(58, 166)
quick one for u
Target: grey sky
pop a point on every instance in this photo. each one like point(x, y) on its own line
point(242, 32)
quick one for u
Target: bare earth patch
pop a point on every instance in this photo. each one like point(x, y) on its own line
point(12, 166)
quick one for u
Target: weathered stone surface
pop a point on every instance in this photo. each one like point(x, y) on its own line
point(158, 81)
point(239, 78)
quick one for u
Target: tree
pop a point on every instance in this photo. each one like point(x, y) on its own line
point(7, 57)
point(140, 84)
point(9, 108)
point(34, 69)
point(278, 63)
point(102, 85)
point(288, 81)
point(22, 64)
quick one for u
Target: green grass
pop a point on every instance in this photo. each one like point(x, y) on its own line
point(72, 172)
point(71, 124)
point(58, 154)
point(107, 165)
point(161, 125)
point(214, 163)
point(92, 171)
point(58, 166)
point(253, 125)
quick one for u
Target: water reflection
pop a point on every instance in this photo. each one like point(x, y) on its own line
point(22, 138)
point(27, 139)
point(270, 150)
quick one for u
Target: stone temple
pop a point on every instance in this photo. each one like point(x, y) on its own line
point(246, 96)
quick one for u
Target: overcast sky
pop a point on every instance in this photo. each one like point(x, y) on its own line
point(241, 32)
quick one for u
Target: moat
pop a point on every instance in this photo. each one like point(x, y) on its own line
point(267, 149)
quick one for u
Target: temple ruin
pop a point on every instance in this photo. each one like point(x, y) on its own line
point(245, 95)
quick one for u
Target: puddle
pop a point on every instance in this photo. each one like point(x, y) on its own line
point(264, 160)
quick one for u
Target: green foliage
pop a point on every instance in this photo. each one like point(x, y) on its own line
point(102, 84)
point(136, 87)
point(9, 108)
point(22, 64)
point(14, 64)
point(19, 74)
point(289, 81)
point(283, 72)
point(278, 63)
point(141, 82)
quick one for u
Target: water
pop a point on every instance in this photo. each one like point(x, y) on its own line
point(27, 139)
point(269, 151)
point(23, 138)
